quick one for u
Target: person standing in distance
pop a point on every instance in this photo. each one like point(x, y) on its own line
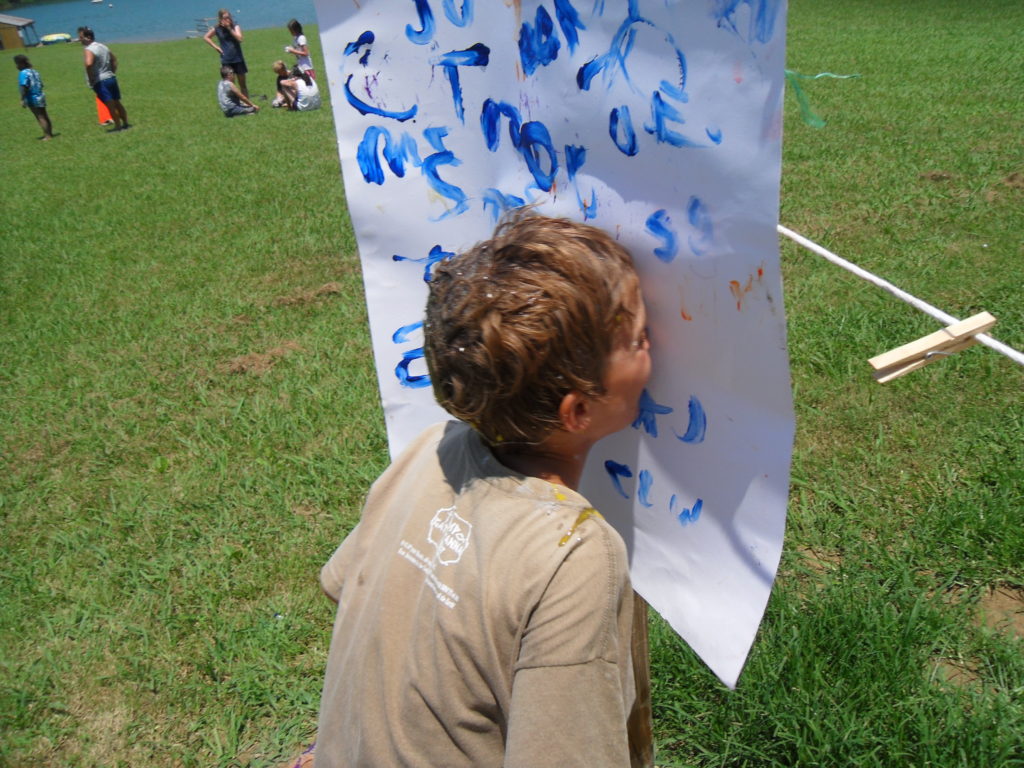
point(30, 84)
point(229, 35)
point(101, 75)
point(300, 49)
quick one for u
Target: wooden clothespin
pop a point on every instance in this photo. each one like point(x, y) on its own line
point(917, 354)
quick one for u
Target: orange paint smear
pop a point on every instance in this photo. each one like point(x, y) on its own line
point(739, 291)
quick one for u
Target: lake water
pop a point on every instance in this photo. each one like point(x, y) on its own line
point(135, 21)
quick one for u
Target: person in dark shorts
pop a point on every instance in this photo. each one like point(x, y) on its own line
point(30, 85)
point(229, 46)
point(101, 75)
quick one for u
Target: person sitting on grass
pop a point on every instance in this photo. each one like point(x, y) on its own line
point(31, 86)
point(295, 89)
point(484, 605)
point(232, 101)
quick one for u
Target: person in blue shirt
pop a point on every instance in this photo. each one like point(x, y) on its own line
point(30, 84)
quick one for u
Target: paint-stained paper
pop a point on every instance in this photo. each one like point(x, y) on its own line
point(659, 121)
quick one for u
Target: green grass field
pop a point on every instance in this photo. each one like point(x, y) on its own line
point(190, 416)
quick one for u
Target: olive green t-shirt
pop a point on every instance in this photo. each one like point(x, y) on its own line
point(483, 620)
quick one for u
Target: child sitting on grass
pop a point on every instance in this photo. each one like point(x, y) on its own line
point(295, 89)
point(484, 606)
point(30, 84)
point(232, 101)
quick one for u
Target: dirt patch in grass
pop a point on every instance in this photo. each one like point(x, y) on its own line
point(818, 562)
point(1015, 180)
point(957, 673)
point(936, 176)
point(309, 296)
point(1002, 608)
point(999, 608)
point(308, 511)
point(258, 363)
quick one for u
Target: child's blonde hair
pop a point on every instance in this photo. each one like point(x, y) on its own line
point(518, 321)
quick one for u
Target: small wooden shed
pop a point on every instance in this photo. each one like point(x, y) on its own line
point(16, 32)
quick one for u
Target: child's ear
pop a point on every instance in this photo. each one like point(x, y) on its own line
point(574, 412)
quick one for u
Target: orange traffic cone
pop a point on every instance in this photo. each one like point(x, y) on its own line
point(102, 113)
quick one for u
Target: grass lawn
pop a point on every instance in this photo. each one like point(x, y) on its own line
point(190, 415)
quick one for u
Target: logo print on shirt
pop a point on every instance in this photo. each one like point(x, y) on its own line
point(449, 534)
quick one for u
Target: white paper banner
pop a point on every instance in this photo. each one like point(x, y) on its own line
point(659, 121)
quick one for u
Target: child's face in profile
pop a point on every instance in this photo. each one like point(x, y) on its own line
point(626, 374)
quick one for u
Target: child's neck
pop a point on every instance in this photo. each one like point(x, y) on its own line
point(556, 460)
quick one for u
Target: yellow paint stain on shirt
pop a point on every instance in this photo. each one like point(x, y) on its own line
point(585, 515)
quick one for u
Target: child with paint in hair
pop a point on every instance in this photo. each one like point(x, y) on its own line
point(30, 85)
point(484, 605)
point(232, 101)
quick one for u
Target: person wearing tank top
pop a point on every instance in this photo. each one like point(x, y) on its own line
point(229, 46)
point(101, 75)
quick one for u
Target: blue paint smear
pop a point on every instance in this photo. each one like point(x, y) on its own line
point(648, 411)
point(490, 122)
point(660, 225)
point(369, 109)
point(763, 14)
point(627, 144)
point(714, 133)
point(677, 92)
point(435, 256)
point(425, 34)
point(697, 427)
point(435, 136)
point(661, 114)
point(575, 157)
point(364, 39)
point(499, 202)
point(476, 55)
point(569, 21)
point(538, 45)
point(402, 334)
point(644, 482)
point(534, 137)
point(616, 472)
point(686, 516)
point(614, 61)
point(406, 379)
point(700, 220)
point(589, 210)
point(395, 152)
point(461, 18)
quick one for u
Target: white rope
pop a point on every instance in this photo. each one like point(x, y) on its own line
point(928, 309)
